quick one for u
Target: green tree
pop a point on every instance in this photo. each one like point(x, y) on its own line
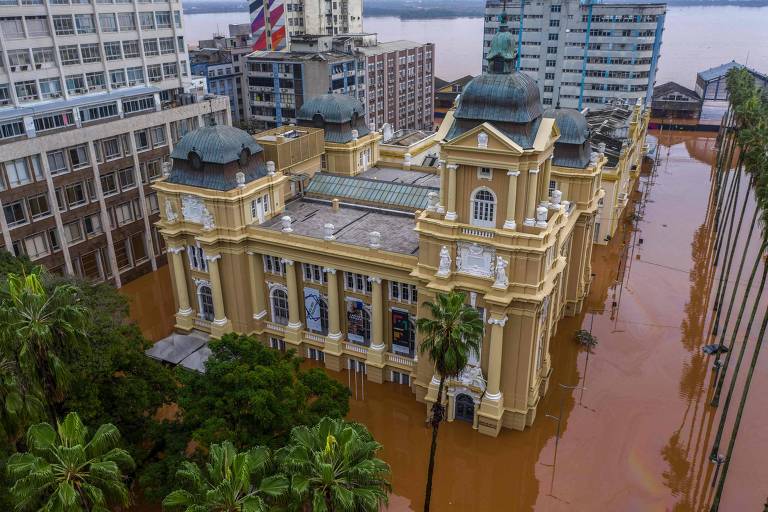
point(453, 331)
point(38, 328)
point(19, 405)
point(230, 482)
point(65, 471)
point(253, 395)
point(333, 467)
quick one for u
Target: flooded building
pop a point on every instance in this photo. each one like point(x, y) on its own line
point(339, 268)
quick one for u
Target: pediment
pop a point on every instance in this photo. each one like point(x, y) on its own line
point(485, 136)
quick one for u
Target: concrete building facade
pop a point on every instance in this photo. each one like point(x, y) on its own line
point(92, 96)
point(341, 271)
point(394, 80)
point(584, 54)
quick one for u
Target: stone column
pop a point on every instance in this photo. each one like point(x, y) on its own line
point(184, 317)
point(375, 359)
point(221, 323)
point(492, 406)
point(547, 177)
point(293, 332)
point(333, 348)
point(530, 198)
point(257, 285)
point(511, 199)
point(451, 213)
point(443, 186)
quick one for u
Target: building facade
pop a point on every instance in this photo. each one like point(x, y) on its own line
point(584, 54)
point(274, 23)
point(340, 272)
point(394, 80)
point(92, 96)
point(673, 100)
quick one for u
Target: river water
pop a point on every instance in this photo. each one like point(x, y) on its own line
point(695, 38)
point(637, 438)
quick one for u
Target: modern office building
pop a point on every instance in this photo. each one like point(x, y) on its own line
point(505, 213)
point(92, 98)
point(274, 23)
point(584, 53)
point(217, 67)
point(394, 80)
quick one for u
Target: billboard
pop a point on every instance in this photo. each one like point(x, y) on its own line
point(268, 24)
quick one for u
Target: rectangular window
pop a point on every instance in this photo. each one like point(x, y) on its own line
point(357, 283)
point(197, 259)
point(57, 162)
point(274, 265)
point(163, 19)
point(43, 57)
point(111, 148)
point(92, 225)
point(54, 121)
point(554, 23)
point(96, 81)
point(123, 214)
point(63, 25)
point(18, 172)
point(158, 135)
point(170, 70)
point(19, 60)
point(73, 232)
point(549, 76)
point(154, 169)
point(75, 84)
point(126, 21)
point(403, 292)
point(147, 20)
point(141, 140)
point(36, 247)
point(26, 91)
point(98, 111)
point(108, 184)
point(139, 104)
point(90, 52)
point(155, 73)
point(552, 187)
point(131, 50)
point(37, 26)
point(75, 195)
point(50, 88)
point(15, 214)
point(314, 273)
point(69, 54)
point(135, 77)
point(127, 178)
point(78, 156)
point(551, 49)
point(84, 24)
point(117, 78)
point(112, 50)
point(108, 22)
point(38, 206)
point(167, 46)
point(403, 333)
point(553, 37)
point(153, 206)
point(151, 47)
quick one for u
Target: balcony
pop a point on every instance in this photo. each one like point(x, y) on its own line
point(478, 232)
point(272, 326)
point(354, 347)
point(400, 360)
point(314, 338)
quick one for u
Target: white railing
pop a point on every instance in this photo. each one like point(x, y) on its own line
point(203, 324)
point(398, 359)
point(482, 233)
point(314, 337)
point(354, 347)
point(275, 327)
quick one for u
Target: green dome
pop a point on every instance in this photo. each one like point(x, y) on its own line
point(511, 98)
point(572, 124)
point(216, 144)
point(502, 46)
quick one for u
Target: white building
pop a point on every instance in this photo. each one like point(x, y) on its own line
point(584, 54)
point(92, 98)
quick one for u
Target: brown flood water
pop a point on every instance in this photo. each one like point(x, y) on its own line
point(637, 438)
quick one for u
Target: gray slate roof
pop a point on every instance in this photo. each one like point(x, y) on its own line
point(510, 98)
point(335, 108)
point(572, 124)
point(356, 189)
point(217, 144)
point(720, 71)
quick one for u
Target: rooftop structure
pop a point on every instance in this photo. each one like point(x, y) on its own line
point(711, 85)
point(673, 100)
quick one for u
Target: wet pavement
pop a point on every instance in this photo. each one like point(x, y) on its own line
point(637, 431)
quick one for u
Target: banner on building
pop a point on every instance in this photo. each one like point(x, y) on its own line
point(402, 334)
point(358, 324)
point(312, 305)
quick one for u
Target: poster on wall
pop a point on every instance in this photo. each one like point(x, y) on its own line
point(312, 302)
point(401, 332)
point(358, 328)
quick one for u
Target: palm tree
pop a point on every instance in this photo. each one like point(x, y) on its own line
point(38, 329)
point(454, 331)
point(333, 467)
point(20, 407)
point(65, 471)
point(230, 482)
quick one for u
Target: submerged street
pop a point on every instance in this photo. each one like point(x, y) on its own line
point(635, 421)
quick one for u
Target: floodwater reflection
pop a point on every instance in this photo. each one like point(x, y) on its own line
point(637, 436)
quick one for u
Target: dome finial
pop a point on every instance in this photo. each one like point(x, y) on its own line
point(502, 52)
point(503, 18)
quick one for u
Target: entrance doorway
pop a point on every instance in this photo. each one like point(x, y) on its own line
point(465, 408)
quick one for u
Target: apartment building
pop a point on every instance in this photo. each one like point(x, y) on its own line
point(92, 98)
point(583, 54)
point(221, 78)
point(274, 23)
point(393, 80)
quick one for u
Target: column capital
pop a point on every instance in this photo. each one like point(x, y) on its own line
point(375, 280)
point(286, 261)
point(535, 170)
point(452, 167)
point(176, 250)
point(514, 173)
point(330, 270)
point(498, 321)
point(212, 257)
point(251, 253)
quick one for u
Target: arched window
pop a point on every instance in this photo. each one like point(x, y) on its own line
point(483, 207)
point(280, 306)
point(205, 302)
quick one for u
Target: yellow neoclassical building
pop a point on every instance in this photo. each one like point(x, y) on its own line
point(333, 251)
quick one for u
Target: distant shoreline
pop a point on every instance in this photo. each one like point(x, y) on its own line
point(449, 13)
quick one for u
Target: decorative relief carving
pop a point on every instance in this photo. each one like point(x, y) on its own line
point(472, 377)
point(170, 212)
point(444, 269)
point(477, 260)
point(194, 210)
point(502, 281)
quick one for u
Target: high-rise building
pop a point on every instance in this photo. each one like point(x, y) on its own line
point(275, 22)
point(583, 53)
point(92, 99)
point(393, 80)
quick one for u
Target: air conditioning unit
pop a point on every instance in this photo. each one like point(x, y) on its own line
point(25, 67)
point(13, 68)
point(38, 66)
